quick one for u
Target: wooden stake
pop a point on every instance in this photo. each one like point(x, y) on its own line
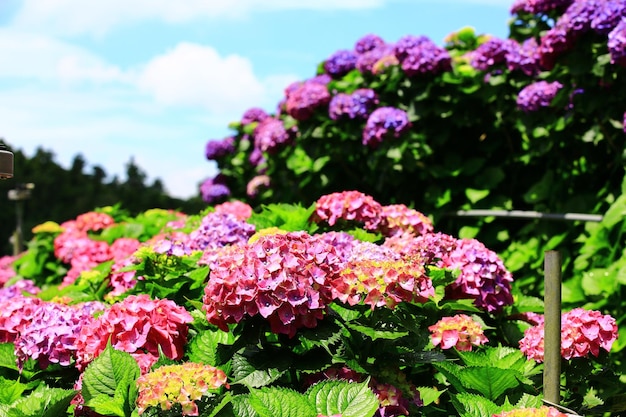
point(552, 327)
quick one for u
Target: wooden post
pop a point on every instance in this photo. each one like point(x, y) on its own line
point(552, 327)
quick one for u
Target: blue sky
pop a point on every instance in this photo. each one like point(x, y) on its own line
point(154, 80)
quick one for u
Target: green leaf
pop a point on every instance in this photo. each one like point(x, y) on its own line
point(7, 356)
point(43, 402)
point(375, 334)
point(490, 381)
point(429, 395)
point(345, 398)
point(203, 347)
point(113, 374)
point(470, 405)
point(599, 281)
point(476, 195)
point(616, 213)
point(280, 402)
point(246, 374)
point(241, 406)
point(11, 390)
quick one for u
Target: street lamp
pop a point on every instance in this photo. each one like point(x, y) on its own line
point(19, 194)
point(6, 162)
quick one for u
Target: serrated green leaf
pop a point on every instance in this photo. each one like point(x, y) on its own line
point(375, 334)
point(246, 374)
point(104, 405)
point(7, 356)
point(490, 381)
point(203, 347)
point(241, 406)
point(345, 398)
point(44, 402)
point(529, 401)
point(280, 402)
point(112, 374)
point(471, 405)
point(11, 390)
point(429, 395)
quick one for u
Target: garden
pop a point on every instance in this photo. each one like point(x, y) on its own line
point(337, 269)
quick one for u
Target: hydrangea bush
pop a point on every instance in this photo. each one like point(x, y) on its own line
point(345, 307)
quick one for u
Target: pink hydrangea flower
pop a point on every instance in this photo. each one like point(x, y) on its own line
point(281, 277)
point(239, 209)
point(93, 221)
point(51, 333)
point(583, 332)
point(398, 218)
point(6, 269)
point(379, 278)
point(15, 314)
point(460, 331)
point(21, 287)
point(348, 205)
point(137, 325)
point(182, 384)
point(543, 411)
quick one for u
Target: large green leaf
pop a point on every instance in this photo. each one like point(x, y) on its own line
point(245, 373)
point(490, 381)
point(203, 347)
point(470, 405)
point(43, 402)
point(345, 398)
point(280, 402)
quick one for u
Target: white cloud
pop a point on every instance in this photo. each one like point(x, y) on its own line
point(98, 16)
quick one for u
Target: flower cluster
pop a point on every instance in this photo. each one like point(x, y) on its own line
point(348, 205)
point(282, 277)
point(398, 219)
point(271, 134)
point(368, 43)
point(216, 149)
point(376, 60)
point(21, 287)
point(617, 44)
point(305, 99)
point(385, 122)
point(181, 384)
point(220, 229)
point(239, 209)
point(537, 95)
point(359, 104)
point(91, 221)
point(256, 184)
point(524, 57)
point(382, 282)
point(583, 332)
point(214, 189)
point(15, 314)
point(431, 248)
point(482, 277)
point(138, 325)
point(6, 269)
point(253, 115)
point(543, 411)
point(51, 334)
point(420, 55)
point(340, 63)
point(460, 331)
point(607, 16)
point(490, 53)
point(538, 6)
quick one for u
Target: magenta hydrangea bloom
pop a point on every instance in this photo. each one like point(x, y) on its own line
point(303, 101)
point(270, 135)
point(220, 229)
point(482, 277)
point(216, 149)
point(583, 333)
point(256, 157)
point(368, 43)
point(375, 59)
point(138, 325)
point(92, 221)
point(343, 242)
point(254, 114)
point(241, 210)
point(6, 269)
point(340, 63)
point(52, 332)
point(385, 122)
point(21, 287)
point(431, 248)
point(281, 277)
point(537, 95)
point(538, 6)
point(348, 205)
point(524, 57)
point(617, 44)
point(490, 53)
point(607, 16)
point(398, 219)
point(214, 189)
point(425, 58)
point(15, 314)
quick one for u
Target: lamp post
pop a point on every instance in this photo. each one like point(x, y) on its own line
point(6, 162)
point(19, 194)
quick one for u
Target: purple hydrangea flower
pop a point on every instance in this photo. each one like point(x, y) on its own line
point(340, 63)
point(305, 99)
point(524, 57)
point(406, 43)
point(214, 189)
point(355, 105)
point(252, 115)
point(366, 61)
point(553, 43)
point(18, 288)
point(608, 15)
point(216, 149)
point(172, 247)
point(256, 157)
point(538, 6)
point(537, 95)
point(385, 122)
point(624, 122)
point(490, 53)
point(323, 79)
point(220, 229)
point(368, 43)
point(271, 134)
point(617, 44)
point(425, 58)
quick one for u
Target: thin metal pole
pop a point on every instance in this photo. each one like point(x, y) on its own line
point(521, 214)
point(552, 327)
